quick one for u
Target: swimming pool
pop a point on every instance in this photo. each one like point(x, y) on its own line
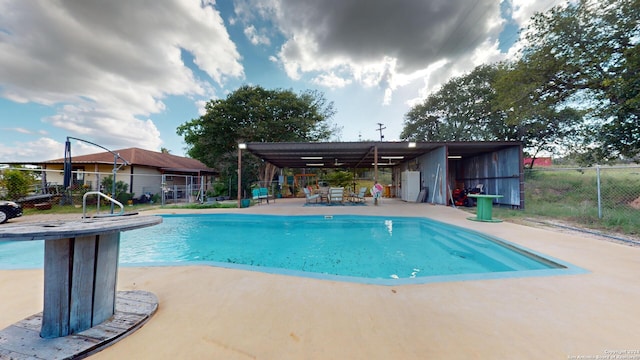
point(369, 249)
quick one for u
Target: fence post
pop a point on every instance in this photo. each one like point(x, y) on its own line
point(599, 192)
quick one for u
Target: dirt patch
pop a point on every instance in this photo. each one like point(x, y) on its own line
point(635, 203)
point(571, 228)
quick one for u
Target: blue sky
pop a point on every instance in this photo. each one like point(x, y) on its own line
point(127, 74)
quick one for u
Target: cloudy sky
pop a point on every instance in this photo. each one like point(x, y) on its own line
point(128, 73)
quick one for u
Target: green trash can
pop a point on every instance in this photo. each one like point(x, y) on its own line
point(245, 203)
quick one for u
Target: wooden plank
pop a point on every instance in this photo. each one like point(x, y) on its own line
point(21, 340)
point(55, 315)
point(82, 280)
point(60, 229)
point(30, 345)
point(33, 322)
point(106, 276)
point(136, 302)
point(43, 206)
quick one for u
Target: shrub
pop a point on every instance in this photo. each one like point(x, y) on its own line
point(16, 183)
point(340, 178)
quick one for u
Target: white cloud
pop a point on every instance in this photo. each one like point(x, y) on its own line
point(18, 130)
point(36, 151)
point(383, 43)
point(331, 81)
point(111, 126)
point(255, 37)
point(523, 10)
point(107, 66)
point(201, 107)
point(377, 41)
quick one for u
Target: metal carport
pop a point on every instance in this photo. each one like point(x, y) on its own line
point(442, 165)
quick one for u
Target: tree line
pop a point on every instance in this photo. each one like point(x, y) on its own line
point(572, 90)
point(255, 114)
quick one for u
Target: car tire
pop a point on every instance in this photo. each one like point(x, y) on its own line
point(3, 217)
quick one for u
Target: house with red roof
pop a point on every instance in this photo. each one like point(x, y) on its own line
point(144, 171)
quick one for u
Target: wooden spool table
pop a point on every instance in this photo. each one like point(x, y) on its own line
point(80, 274)
point(484, 207)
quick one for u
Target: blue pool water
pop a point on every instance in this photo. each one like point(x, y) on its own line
point(386, 250)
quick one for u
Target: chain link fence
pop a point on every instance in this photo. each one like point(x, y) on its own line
point(45, 188)
point(606, 194)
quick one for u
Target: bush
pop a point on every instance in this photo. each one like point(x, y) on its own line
point(125, 197)
point(16, 183)
point(340, 178)
point(121, 187)
point(219, 188)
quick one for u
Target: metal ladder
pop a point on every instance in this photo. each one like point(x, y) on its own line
point(112, 200)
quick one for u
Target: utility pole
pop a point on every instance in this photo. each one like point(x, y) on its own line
point(380, 128)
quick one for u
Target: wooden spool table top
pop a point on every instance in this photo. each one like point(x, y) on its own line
point(61, 229)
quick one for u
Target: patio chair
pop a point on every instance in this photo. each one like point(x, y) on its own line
point(264, 193)
point(255, 195)
point(336, 195)
point(260, 194)
point(359, 197)
point(310, 197)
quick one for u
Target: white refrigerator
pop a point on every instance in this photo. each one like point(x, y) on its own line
point(410, 185)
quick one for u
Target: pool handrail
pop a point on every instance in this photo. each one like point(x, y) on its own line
point(100, 194)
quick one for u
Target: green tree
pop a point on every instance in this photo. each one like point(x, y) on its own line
point(16, 183)
point(122, 189)
point(255, 114)
point(340, 178)
point(460, 111)
point(539, 122)
point(586, 52)
point(493, 103)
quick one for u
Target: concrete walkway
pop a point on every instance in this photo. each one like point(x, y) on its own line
point(214, 313)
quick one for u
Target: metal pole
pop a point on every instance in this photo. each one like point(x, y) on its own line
point(599, 194)
point(375, 164)
point(163, 188)
point(113, 185)
point(67, 199)
point(375, 171)
point(239, 175)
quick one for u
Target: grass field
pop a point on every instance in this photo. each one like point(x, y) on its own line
point(571, 196)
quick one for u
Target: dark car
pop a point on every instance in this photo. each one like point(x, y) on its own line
point(9, 210)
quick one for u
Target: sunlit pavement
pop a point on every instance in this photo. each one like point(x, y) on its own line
point(210, 312)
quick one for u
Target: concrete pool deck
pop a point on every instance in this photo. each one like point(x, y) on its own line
point(218, 313)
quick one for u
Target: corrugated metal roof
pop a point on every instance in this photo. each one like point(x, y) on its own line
point(360, 154)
